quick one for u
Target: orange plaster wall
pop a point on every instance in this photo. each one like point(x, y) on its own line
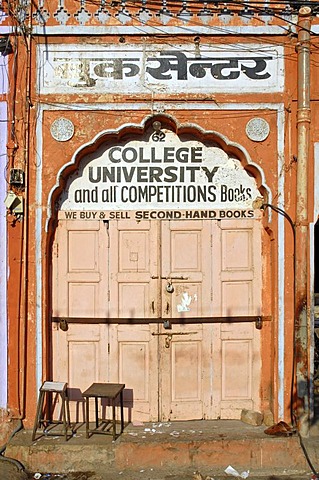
point(231, 124)
point(15, 268)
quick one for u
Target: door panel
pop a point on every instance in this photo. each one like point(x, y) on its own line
point(236, 360)
point(133, 269)
point(184, 384)
point(184, 372)
point(80, 358)
point(239, 285)
point(185, 260)
point(160, 271)
point(134, 361)
point(237, 291)
point(80, 290)
point(81, 279)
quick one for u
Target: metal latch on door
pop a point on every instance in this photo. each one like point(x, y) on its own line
point(169, 286)
point(169, 336)
point(64, 324)
point(169, 278)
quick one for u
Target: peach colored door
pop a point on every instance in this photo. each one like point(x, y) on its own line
point(153, 274)
point(184, 351)
point(237, 291)
point(159, 270)
point(134, 295)
point(79, 289)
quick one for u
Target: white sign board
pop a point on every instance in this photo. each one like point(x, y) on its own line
point(190, 68)
point(161, 171)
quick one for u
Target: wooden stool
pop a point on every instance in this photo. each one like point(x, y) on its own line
point(41, 421)
point(109, 391)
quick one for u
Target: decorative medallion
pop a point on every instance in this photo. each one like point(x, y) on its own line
point(257, 129)
point(62, 129)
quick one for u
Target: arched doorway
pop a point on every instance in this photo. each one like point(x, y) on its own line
point(154, 299)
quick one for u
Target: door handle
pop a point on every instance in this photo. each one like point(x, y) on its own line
point(153, 306)
point(167, 308)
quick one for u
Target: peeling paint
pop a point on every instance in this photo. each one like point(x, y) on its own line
point(186, 301)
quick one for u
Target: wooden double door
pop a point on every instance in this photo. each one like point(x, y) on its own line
point(141, 294)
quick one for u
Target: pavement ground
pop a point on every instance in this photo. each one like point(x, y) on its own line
point(78, 447)
point(9, 471)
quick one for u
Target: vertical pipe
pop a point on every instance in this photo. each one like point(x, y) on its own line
point(301, 224)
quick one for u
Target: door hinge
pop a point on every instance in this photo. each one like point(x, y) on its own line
point(108, 295)
point(108, 348)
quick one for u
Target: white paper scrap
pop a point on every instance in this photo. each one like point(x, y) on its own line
point(231, 471)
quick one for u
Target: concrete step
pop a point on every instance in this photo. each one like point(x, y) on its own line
point(192, 445)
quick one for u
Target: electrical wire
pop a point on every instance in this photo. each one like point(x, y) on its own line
point(262, 8)
point(306, 454)
point(188, 30)
point(13, 461)
point(215, 29)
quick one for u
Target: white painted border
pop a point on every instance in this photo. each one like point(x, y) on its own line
point(38, 250)
point(161, 30)
point(5, 29)
point(281, 267)
point(312, 311)
point(4, 84)
point(312, 266)
point(153, 107)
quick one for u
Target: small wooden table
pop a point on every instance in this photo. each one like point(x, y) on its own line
point(109, 391)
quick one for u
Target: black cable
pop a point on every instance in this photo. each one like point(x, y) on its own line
point(258, 12)
point(282, 212)
point(13, 461)
point(314, 471)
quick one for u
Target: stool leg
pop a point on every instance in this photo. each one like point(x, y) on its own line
point(37, 422)
point(122, 411)
point(96, 412)
point(113, 419)
point(87, 417)
point(68, 410)
point(64, 415)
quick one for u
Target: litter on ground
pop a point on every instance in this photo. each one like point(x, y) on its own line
point(231, 471)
